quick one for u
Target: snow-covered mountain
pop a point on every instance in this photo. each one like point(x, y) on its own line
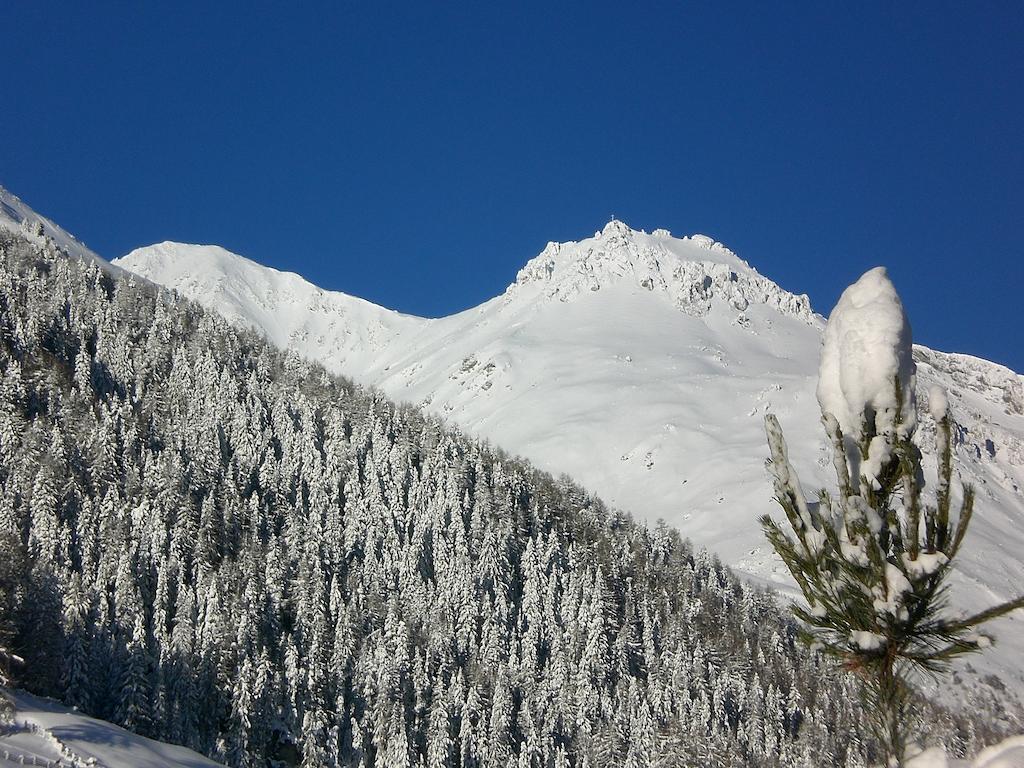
point(605, 360)
point(641, 365)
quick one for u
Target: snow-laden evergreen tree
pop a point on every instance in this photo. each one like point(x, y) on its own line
point(873, 559)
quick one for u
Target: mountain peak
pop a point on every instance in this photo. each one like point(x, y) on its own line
point(616, 227)
point(170, 258)
point(690, 272)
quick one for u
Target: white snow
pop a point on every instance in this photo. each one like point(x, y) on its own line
point(1008, 754)
point(780, 469)
point(624, 361)
point(925, 564)
point(933, 758)
point(890, 600)
point(866, 641)
point(938, 403)
point(346, 332)
point(983, 641)
point(867, 349)
point(45, 732)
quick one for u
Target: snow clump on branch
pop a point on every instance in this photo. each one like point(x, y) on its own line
point(866, 378)
point(867, 347)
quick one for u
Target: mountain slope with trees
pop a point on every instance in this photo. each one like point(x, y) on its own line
point(220, 545)
point(642, 365)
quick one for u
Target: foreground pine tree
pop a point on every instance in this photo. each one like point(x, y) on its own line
point(873, 560)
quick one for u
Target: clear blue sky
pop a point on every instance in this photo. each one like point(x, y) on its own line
point(417, 154)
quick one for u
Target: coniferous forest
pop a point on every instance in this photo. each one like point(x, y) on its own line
point(219, 545)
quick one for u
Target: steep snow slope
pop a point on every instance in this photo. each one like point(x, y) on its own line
point(47, 734)
point(617, 361)
point(641, 365)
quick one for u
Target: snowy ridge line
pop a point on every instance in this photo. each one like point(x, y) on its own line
point(16, 215)
point(165, 255)
point(996, 382)
point(348, 330)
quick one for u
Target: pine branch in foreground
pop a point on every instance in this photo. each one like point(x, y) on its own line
point(873, 561)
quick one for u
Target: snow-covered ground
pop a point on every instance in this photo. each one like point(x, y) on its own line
point(641, 365)
point(48, 734)
point(1009, 754)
